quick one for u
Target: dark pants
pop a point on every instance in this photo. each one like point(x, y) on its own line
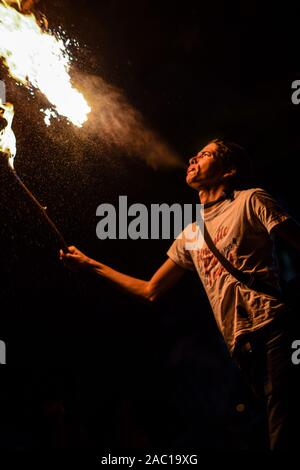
point(265, 359)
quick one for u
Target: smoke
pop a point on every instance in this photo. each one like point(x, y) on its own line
point(116, 123)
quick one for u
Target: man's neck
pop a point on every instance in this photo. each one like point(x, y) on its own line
point(207, 195)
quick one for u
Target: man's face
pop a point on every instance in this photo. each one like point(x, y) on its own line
point(205, 169)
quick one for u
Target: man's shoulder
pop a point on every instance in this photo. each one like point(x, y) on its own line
point(188, 229)
point(247, 194)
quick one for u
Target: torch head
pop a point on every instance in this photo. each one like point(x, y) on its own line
point(7, 136)
point(3, 121)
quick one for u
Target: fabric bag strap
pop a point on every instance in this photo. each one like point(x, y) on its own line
point(247, 279)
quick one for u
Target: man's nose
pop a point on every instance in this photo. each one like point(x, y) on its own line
point(193, 160)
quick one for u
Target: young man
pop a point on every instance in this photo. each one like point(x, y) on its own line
point(240, 222)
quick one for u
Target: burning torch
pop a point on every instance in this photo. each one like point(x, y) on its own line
point(39, 60)
point(8, 151)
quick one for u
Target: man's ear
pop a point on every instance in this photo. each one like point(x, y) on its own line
point(230, 173)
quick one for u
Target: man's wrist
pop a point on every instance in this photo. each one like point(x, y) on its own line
point(93, 265)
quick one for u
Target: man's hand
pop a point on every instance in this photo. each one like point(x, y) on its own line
point(75, 259)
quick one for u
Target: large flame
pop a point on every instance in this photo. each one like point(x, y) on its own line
point(40, 60)
point(7, 136)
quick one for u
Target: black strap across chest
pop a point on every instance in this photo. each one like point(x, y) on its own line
point(247, 279)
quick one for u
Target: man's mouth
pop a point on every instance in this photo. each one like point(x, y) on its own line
point(191, 170)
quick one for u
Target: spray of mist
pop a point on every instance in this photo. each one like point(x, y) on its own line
point(115, 122)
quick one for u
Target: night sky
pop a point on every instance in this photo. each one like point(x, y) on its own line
point(88, 366)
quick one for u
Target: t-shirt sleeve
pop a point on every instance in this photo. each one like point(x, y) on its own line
point(180, 255)
point(267, 210)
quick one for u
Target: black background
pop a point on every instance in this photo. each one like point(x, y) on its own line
point(86, 366)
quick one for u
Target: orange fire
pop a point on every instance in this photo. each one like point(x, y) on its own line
point(23, 5)
point(39, 60)
point(18, 3)
point(7, 136)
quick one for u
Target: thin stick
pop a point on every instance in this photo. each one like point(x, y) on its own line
point(42, 210)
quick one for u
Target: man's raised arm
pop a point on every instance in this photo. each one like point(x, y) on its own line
point(164, 278)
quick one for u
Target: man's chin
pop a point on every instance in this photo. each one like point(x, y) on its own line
point(192, 183)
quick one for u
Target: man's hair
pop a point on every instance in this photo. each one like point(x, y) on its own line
point(233, 156)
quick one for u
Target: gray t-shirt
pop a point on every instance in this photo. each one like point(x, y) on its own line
point(240, 229)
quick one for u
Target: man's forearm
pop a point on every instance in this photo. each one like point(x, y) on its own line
point(162, 280)
point(128, 284)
